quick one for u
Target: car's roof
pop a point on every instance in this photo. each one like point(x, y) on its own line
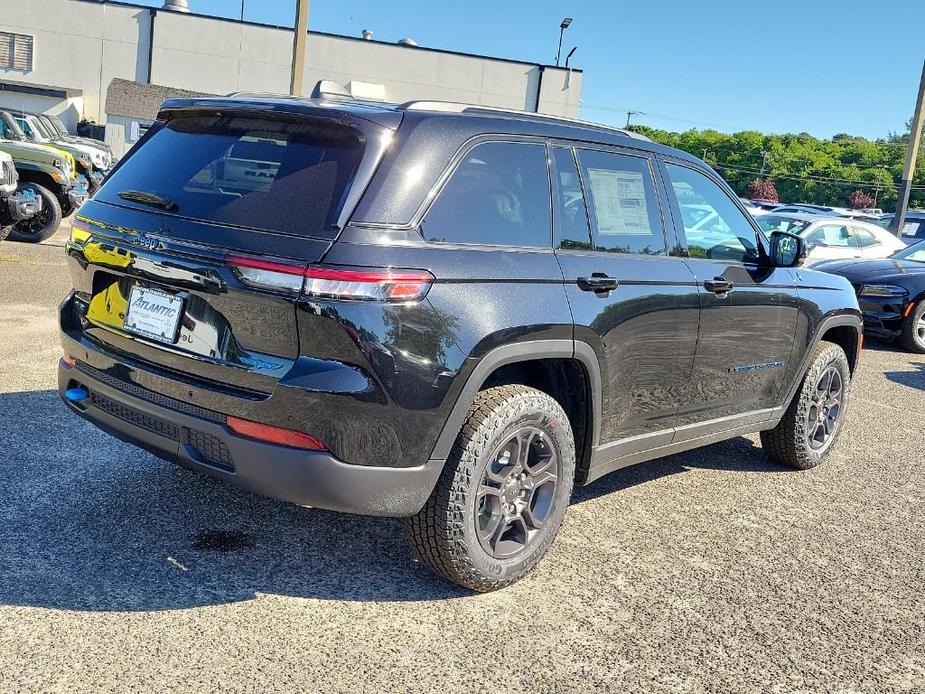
point(477, 117)
point(821, 218)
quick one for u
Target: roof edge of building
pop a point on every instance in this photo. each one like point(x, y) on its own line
point(124, 3)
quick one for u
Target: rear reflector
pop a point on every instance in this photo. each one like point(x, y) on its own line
point(271, 434)
point(386, 284)
point(69, 361)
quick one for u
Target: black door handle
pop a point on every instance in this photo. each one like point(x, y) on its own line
point(598, 282)
point(718, 285)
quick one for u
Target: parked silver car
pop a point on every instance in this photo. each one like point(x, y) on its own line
point(832, 237)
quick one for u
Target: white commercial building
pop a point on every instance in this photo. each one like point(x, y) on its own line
point(60, 56)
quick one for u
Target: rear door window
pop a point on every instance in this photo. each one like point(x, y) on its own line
point(498, 195)
point(863, 237)
point(286, 176)
point(572, 230)
point(625, 216)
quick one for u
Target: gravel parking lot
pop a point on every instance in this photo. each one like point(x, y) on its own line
point(708, 571)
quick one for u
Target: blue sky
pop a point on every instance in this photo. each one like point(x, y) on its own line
point(819, 66)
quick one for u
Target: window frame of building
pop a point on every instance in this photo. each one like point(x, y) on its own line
point(17, 51)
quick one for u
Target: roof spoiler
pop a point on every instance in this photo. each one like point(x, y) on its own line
point(329, 89)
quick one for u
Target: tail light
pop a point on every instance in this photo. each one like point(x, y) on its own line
point(388, 285)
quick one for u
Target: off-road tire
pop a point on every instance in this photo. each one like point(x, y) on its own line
point(26, 231)
point(444, 531)
point(787, 443)
point(910, 338)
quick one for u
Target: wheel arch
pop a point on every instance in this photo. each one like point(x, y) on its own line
point(542, 364)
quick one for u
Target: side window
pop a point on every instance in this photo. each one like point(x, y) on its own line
point(572, 229)
point(498, 195)
point(624, 208)
point(714, 227)
point(835, 235)
point(864, 237)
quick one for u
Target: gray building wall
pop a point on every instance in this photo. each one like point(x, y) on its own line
point(81, 45)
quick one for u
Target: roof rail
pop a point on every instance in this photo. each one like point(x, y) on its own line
point(458, 107)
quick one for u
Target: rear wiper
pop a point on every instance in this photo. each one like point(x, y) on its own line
point(152, 199)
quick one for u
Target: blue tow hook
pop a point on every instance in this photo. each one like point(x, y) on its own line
point(76, 394)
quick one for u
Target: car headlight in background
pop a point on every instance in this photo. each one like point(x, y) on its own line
point(884, 291)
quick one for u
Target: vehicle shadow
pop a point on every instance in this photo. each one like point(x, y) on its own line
point(90, 523)
point(912, 379)
point(738, 454)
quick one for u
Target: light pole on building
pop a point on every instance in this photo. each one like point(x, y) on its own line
point(298, 47)
point(562, 28)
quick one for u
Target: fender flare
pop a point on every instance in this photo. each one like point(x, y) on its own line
point(519, 352)
point(826, 324)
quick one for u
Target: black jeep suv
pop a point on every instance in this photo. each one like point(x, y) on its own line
point(446, 312)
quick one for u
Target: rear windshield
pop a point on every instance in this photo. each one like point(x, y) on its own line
point(266, 174)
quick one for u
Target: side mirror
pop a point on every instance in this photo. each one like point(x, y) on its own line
point(787, 250)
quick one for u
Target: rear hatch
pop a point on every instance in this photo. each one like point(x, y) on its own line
point(166, 258)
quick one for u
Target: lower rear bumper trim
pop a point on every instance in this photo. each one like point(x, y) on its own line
point(308, 478)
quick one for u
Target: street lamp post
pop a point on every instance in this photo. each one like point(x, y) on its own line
point(562, 28)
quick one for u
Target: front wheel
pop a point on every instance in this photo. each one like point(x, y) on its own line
point(913, 335)
point(502, 495)
point(807, 433)
point(42, 224)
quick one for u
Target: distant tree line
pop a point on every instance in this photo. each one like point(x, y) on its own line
point(844, 171)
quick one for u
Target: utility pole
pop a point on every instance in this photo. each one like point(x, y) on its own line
point(764, 161)
point(298, 47)
point(630, 114)
point(915, 138)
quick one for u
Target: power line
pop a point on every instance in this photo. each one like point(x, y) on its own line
point(793, 136)
point(812, 179)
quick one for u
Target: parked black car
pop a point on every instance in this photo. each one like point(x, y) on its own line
point(891, 292)
point(913, 229)
point(445, 312)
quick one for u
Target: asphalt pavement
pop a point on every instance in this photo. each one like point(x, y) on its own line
point(710, 571)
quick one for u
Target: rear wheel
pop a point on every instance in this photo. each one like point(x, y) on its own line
point(807, 433)
point(42, 224)
point(913, 335)
point(501, 498)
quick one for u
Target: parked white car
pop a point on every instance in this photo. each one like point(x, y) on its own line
point(831, 237)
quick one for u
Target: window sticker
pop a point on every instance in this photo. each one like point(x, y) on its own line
point(620, 202)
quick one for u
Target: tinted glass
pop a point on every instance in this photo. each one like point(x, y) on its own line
point(624, 208)
point(498, 195)
point(914, 252)
point(572, 229)
point(770, 222)
point(274, 175)
point(864, 237)
point(714, 227)
point(834, 235)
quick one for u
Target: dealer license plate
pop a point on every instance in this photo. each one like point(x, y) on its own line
point(154, 314)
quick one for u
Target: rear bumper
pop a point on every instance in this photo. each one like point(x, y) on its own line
point(199, 439)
